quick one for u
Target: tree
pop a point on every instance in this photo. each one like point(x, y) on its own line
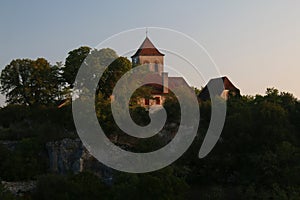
point(112, 74)
point(30, 82)
point(160, 185)
point(73, 62)
point(83, 186)
point(77, 58)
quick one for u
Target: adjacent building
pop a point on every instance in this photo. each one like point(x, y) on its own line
point(226, 92)
point(149, 55)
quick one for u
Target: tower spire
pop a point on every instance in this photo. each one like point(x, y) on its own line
point(146, 31)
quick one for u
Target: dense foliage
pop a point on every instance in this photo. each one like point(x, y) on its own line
point(31, 82)
point(257, 156)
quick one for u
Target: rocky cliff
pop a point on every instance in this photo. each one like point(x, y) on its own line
point(69, 155)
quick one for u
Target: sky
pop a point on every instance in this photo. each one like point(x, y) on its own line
point(254, 43)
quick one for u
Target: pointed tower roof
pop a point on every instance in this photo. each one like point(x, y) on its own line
point(147, 49)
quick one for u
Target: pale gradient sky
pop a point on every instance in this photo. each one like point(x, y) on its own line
point(255, 43)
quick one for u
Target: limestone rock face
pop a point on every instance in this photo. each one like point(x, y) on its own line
point(69, 155)
point(64, 155)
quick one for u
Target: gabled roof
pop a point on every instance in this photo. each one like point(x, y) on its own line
point(173, 82)
point(147, 49)
point(227, 85)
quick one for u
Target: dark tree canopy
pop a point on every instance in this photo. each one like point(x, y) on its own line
point(256, 157)
point(73, 62)
point(30, 82)
point(76, 59)
point(112, 74)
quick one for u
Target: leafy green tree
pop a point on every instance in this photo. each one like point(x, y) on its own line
point(30, 82)
point(73, 62)
point(77, 58)
point(104, 56)
point(112, 74)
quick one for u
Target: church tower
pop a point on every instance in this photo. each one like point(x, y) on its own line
point(148, 54)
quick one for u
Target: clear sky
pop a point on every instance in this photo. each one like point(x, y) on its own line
point(255, 43)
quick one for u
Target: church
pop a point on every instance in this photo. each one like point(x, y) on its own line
point(149, 55)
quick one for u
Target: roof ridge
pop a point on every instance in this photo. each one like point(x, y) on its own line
point(147, 42)
point(147, 48)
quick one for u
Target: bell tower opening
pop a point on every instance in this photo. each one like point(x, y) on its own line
point(156, 67)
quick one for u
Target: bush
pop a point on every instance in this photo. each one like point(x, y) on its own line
point(26, 162)
point(6, 195)
point(83, 186)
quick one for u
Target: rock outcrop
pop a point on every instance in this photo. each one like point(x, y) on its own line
point(69, 155)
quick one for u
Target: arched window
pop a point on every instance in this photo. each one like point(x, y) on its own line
point(156, 67)
point(146, 63)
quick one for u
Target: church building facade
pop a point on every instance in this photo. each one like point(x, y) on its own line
point(149, 55)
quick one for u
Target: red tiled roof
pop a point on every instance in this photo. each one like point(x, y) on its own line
point(147, 49)
point(173, 82)
point(227, 85)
